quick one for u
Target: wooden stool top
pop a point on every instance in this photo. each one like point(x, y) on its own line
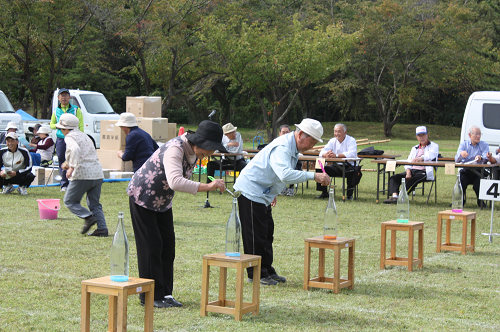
point(222, 257)
point(107, 283)
point(321, 239)
point(410, 224)
point(468, 214)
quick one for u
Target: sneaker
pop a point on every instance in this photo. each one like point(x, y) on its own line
point(278, 278)
point(158, 304)
point(22, 190)
point(46, 163)
point(284, 192)
point(63, 189)
point(290, 191)
point(349, 198)
point(8, 189)
point(89, 222)
point(103, 232)
point(391, 200)
point(173, 302)
point(268, 281)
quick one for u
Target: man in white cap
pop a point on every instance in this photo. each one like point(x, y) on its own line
point(11, 128)
point(139, 145)
point(425, 150)
point(340, 146)
point(84, 170)
point(233, 143)
point(15, 164)
point(262, 180)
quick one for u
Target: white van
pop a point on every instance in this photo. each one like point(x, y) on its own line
point(483, 110)
point(95, 107)
point(8, 114)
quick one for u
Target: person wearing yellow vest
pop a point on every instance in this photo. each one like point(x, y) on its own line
point(63, 108)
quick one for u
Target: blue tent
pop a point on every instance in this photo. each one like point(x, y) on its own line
point(26, 116)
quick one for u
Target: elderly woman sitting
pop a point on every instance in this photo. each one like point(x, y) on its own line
point(44, 147)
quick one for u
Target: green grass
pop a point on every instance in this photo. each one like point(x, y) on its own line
point(42, 263)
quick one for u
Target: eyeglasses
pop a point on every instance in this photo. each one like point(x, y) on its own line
point(476, 134)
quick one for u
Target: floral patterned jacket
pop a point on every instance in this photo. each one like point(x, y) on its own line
point(149, 186)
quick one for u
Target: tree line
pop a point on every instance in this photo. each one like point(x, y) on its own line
point(260, 63)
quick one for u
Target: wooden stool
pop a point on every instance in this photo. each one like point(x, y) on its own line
point(118, 293)
point(449, 215)
point(239, 308)
point(409, 227)
point(335, 283)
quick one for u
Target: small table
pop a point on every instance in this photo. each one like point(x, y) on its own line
point(239, 308)
point(335, 283)
point(464, 216)
point(118, 294)
point(409, 227)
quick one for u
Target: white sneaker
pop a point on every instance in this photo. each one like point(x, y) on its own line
point(290, 192)
point(64, 188)
point(22, 190)
point(8, 189)
point(284, 192)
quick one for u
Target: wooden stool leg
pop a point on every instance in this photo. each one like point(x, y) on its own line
point(350, 269)
point(393, 244)
point(421, 247)
point(307, 265)
point(383, 247)
point(148, 309)
point(204, 287)
point(473, 234)
point(336, 269)
point(448, 231)
point(222, 286)
point(256, 289)
point(238, 305)
point(464, 236)
point(122, 311)
point(410, 249)
point(85, 322)
point(321, 267)
point(112, 305)
point(439, 233)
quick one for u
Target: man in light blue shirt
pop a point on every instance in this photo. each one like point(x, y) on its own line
point(472, 150)
point(262, 180)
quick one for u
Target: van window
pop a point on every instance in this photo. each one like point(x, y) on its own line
point(96, 104)
point(491, 116)
point(5, 106)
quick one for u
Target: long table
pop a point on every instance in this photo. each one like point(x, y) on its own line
point(381, 164)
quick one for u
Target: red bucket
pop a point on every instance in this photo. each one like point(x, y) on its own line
point(48, 208)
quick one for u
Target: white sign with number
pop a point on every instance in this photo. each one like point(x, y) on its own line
point(489, 190)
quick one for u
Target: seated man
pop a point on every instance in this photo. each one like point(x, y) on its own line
point(233, 143)
point(341, 146)
point(290, 190)
point(425, 150)
point(139, 145)
point(16, 166)
point(472, 150)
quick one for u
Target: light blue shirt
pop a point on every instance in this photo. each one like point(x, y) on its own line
point(271, 170)
point(480, 149)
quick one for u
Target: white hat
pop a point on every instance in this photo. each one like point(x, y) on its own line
point(421, 130)
point(127, 120)
point(312, 128)
point(11, 125)
point(228, 128)
point(68, 121)
point(44, 130)
point(11, 135)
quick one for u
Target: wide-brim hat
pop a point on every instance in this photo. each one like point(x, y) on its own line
point(11, 125)
point(228, 128)
point(208, 136)
point(35, 127)
point(11, 135)
point(44, 130)
point(127, 120)
point(67, 121)
point(312, 128)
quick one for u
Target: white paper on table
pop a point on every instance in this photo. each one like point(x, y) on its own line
point(390, 166)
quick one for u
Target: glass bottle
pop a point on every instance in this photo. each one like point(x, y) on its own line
point(119, 252)
point(331, 221)
point(403, 208)
point(457, 202)
point(233, 232)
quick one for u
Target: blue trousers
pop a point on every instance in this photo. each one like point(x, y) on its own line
point(61, 156)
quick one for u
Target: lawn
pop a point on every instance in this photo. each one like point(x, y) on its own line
point(42, 263)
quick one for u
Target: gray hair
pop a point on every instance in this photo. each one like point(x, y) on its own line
point(471, 129)
point(285, 126)
point(340, 125)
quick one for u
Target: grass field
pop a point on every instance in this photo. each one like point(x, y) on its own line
point(42, 263)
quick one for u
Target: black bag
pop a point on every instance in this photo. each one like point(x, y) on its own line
point(370, 151)
point(356, 178)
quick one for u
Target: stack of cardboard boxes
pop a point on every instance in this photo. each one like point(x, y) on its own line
point(147, 111)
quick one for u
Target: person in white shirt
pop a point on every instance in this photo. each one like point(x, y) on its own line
point(341, 146)
point(233, 143)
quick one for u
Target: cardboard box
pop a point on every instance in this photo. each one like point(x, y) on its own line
point(172, 130)
point(109, 160)
point(50, 175)
point(39, 173)
point(121, 175)
point(112, 137)
point(144, 107)
point(156, 127)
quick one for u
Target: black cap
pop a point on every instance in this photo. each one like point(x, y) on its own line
point(208, 136)
point(63, 90)
point(37, 126)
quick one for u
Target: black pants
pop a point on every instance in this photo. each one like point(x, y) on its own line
point(61, 157)
point(417, 176)
point(22, 179)
point(227, 164)
point(155, 242)
point(257, 228)
point(468, 177)
point(335, 172)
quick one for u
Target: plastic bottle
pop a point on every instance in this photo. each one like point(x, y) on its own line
point(457, 202)
point(331, 221)
point(233, 232)
point(119, 253)
point(403, 208)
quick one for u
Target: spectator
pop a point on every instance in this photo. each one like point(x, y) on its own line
point(16, 165)
point(341, 146)
point(64, 107)
point(425, 150)
point(45, 147)
point(139, 145)
point(11, 128)
point(84, 170)
point(34, 140)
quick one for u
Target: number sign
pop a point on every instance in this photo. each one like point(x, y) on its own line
point(489, 190)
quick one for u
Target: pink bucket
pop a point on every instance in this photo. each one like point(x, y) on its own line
point(48, 208)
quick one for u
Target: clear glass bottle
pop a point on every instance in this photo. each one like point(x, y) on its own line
point(119, 252)
point(233, 232)
point(403, 208)
point(331, 221)
point(457, 201)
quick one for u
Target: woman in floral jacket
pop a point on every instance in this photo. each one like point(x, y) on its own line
point(151, 191)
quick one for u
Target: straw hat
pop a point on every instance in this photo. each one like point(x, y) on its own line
point(228, 128)
point(312, 128)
